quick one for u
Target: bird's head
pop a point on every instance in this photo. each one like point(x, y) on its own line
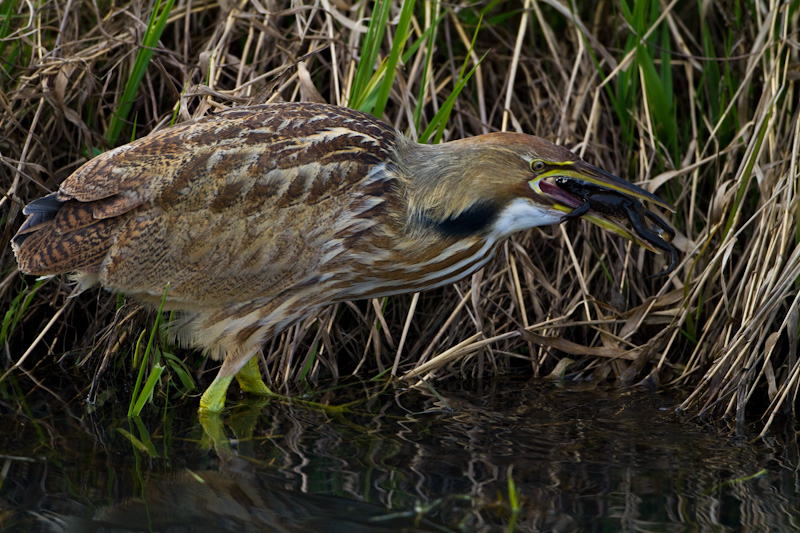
point(505, 182)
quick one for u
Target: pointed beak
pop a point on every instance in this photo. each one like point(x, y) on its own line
point(585, 173)
point(589, 173)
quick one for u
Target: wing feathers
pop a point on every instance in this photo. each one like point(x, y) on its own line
point(245, 188)
point(72, 240)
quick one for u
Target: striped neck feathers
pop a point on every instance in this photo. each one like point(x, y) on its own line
point(475, 187)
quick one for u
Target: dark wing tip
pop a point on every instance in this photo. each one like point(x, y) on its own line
point(40, 212)
point(61, 236)
point(47, 205)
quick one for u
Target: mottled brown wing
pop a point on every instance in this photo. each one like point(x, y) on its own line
point(241, 204)
point(61, 241)
point(73, 229)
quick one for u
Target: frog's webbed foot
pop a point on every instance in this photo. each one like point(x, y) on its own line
point(673, 262)
point(640, 225)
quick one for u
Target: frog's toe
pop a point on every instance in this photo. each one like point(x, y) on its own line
point(673, 261)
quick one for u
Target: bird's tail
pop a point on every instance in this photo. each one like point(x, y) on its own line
point(61, 236)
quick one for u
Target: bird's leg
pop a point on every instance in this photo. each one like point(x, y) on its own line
point(213, 399)
point(249, 378)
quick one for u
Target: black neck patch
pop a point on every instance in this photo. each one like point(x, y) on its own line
point(476, 218)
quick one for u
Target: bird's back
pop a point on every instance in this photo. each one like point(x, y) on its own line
point(239, 205)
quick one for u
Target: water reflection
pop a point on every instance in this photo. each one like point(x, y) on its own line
point(397, 460)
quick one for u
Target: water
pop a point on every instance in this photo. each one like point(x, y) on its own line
point(398, 460)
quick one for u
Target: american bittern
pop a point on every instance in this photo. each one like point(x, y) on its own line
point(259, 215)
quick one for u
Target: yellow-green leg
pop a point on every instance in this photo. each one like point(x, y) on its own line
point(213, 399)
point(249, 378)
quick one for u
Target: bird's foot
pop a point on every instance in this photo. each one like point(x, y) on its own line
point(212, 403)
point(213, 399)
point(249, 378)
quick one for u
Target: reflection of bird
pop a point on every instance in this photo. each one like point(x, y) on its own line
point(247, 502)
point(258, 215)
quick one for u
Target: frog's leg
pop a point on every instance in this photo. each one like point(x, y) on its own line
point(638, 222)
point(659, 222)
point(578, 211)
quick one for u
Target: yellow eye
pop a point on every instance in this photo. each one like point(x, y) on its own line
point(537, 165)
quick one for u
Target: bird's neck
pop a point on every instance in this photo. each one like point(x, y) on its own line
point(444, 186)
point(465, 189)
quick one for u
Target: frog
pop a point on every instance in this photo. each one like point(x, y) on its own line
point(614, 204)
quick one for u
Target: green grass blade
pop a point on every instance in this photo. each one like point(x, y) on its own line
point(156, 357)
point(147, 390)
point(426, 72)
point(513, 501)
point(439, 120)
point(141, 362)
point(181, 370)
point(17, 309)
point(139, 445)
point(660, 105)
point(400, 37)
point(152, 35)
point(309, 363)
point(7, 59)
point(369, 53)
point(144, 445)
point(746, 175)
point(145, 438)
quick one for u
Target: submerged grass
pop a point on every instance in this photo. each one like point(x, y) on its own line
point(694, 101)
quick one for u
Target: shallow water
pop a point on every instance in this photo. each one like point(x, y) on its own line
point(397, 460)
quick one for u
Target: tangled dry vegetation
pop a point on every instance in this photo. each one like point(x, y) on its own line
point(697, 103)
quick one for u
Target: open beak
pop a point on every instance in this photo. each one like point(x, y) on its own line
point(586, 173)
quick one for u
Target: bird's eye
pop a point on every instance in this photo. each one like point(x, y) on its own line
point(537, 165)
